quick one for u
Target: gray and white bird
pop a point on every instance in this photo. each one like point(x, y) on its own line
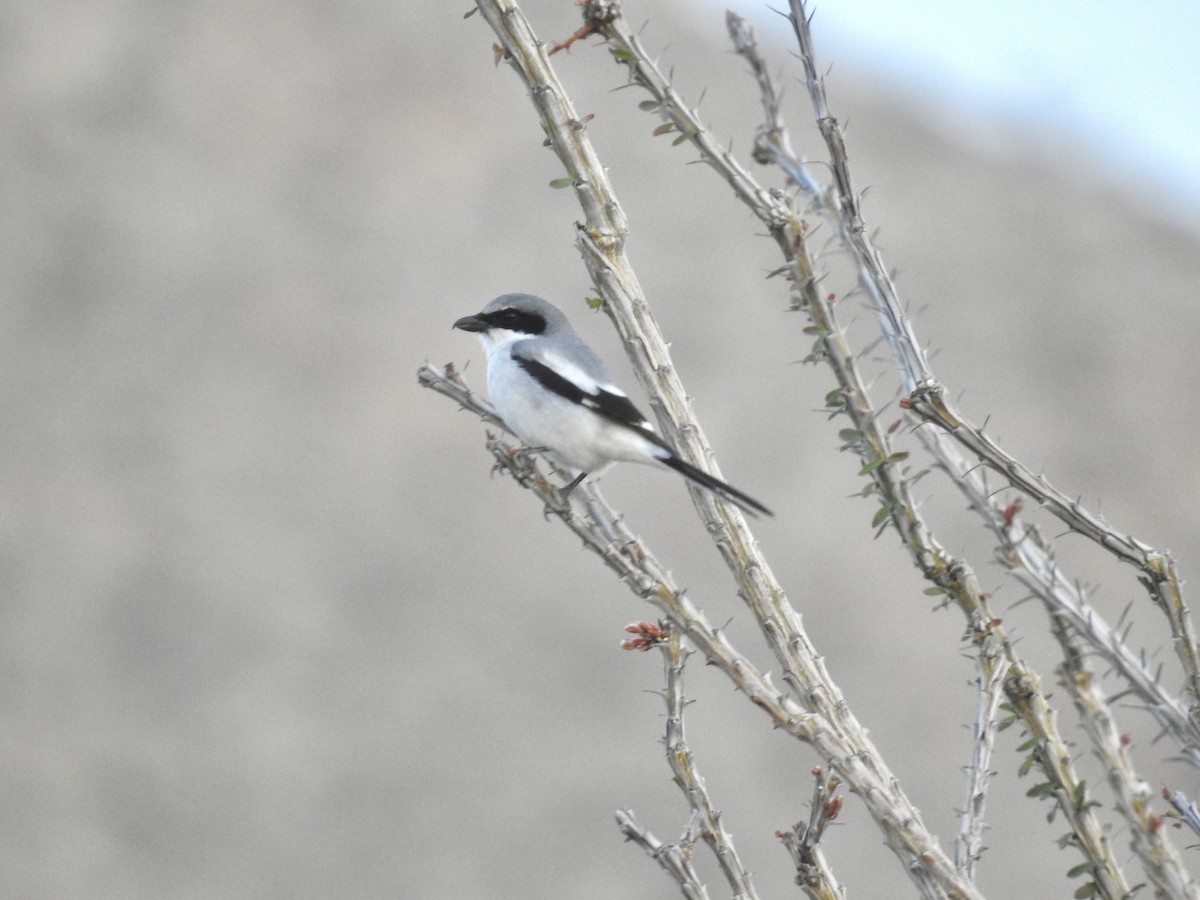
point(555, 394)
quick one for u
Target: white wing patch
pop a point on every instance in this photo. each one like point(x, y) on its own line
point(576, 375)
point(571, 380)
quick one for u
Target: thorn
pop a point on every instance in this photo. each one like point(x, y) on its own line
point(584, 31)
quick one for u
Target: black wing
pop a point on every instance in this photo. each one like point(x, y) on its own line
point(610, 404)
point(618, 408)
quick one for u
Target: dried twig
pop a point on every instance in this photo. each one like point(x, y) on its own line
point(928, 397)
point(859, 764)
point(839, 204)
point(675, 859)
point(1184, 808)
point(1158, 856)
point(993, 668)
point(929, 400)
point(705, 818)
point(601, 240)
point(801, 840)
point(815, 712)
point(1050, 753)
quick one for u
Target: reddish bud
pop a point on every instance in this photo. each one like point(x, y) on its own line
point(1010, 511)
point(906, 403)
point(832, 808)
point(649, 631)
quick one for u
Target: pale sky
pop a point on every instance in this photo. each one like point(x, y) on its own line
point(1122, 80)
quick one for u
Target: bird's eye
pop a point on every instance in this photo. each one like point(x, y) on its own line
point(517, 320)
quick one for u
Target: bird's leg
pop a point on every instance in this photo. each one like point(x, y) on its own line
point(563, 497)
point(566, 491)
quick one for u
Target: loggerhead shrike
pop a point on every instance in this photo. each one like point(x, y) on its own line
point(555, 394)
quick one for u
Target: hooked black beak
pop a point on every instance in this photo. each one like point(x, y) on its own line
point(472, 323)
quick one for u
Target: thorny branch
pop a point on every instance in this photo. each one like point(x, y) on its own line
point(1063, 784)
point(1022, 549)
point(1028, 556)
point(602, 241)
point(638, 568)
point(892, 482)
point(675, 859)
point(842, 205)
point(706, 818)
point(821, 717)
point(813, 874)
point(1185, 809)
point(929, 399)
point(993, 669)
point(1159, 858)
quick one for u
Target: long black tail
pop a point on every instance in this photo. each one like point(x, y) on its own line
point(718, 487)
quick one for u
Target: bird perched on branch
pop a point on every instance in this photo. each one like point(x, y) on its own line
point(555, 394)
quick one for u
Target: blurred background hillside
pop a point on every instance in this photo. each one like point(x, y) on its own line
point(269, 629)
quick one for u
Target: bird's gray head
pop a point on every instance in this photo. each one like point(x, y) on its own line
point(516, 316)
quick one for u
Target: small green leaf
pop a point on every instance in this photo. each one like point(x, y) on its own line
point(897, 457)
point(1082, 869)
point(594, 302)
point(870, 467)
point(835, 398)
point(566, 181)
point(1025, 767)
point(1081, 797)
point(815, 329)
point(850, 435)
point(1028, 745)
point(621, 55)
point(664, 128)
point(895, 425)
point(935, 592)
point(650, 105)
point(684, 136)
point(470, 12)
point(1085, 891)
point(1041, 789)
point(882, 513)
